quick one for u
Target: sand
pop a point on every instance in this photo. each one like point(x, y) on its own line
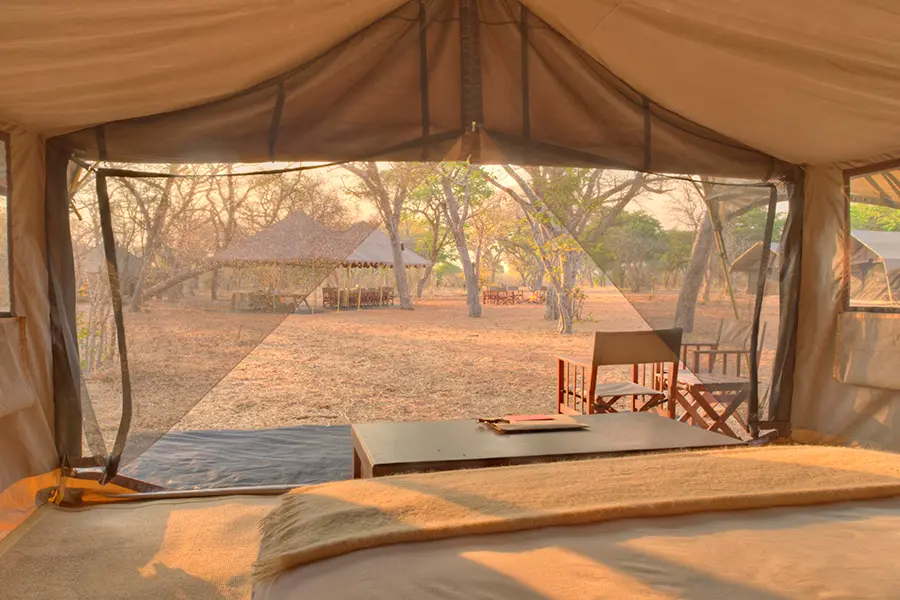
point(356, 366)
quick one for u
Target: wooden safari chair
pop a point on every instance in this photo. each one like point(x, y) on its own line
point(715, 389)
point(732, 341)
point(329, 296)
point(648, 353)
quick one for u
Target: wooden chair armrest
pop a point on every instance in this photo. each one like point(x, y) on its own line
point(575, 361)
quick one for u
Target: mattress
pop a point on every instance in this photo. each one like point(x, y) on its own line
point(834, 551)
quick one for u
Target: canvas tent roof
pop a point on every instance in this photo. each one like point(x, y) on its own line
point(877, 188)
point(749, 260)
point(885, 244)
point(299, 239)
point(94, 261)
point(375, 250)
point(803, 82)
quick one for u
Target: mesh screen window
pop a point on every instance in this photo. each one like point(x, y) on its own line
point(264, 313)
point(873, 254)
point(5, 275)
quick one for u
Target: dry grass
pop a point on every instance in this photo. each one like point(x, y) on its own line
point(355, 366)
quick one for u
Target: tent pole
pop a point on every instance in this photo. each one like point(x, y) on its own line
point(887, 275)
point(720, 246)
point(380, 280)
point(337, 275)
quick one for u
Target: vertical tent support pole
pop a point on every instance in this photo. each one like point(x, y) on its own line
point(753, 403)
point(380, 280)
point(109, 247)
point(720, 247)
point(337, 276)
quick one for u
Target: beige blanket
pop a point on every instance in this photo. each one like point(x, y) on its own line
point(329, 520)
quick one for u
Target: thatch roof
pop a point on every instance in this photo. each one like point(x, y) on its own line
point(301, 240)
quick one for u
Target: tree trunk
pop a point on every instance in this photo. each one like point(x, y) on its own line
point(473, 297)
point(539, 281)
point(399, 266)
point(161, 287)
point(693, 276)
point(567, 299)
point(551, 308)
point(707, 281)
point(423, 281)
point(214, 285)
point(477, 264)
point(566, 316)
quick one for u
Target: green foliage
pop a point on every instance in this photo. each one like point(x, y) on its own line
point(745, 230)
point(874, 218)
point(632, 247)
point(446, 270)
point(677, 254)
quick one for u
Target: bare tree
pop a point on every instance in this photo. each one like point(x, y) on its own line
point(388, 190)
point(567, 209)
point(460, 200)
point(153, 199)
point(699, 264)
point(225, 199)
point(687, 206)
point(278, 195)
point(427, 204)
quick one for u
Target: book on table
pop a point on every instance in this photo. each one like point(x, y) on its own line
point(533, 423)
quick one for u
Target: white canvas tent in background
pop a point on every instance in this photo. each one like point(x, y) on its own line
point(804, 91)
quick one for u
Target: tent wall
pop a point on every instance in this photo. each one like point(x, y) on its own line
point(824, 409)
point(26, 435)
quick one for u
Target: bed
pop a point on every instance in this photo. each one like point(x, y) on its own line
point(773, 523)
point(776, 522)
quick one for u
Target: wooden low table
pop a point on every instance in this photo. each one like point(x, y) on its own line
point(381, 449)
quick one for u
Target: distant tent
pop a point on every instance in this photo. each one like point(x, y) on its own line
point(871, 249)
point(375, 251)
point(93, 264)
point(748, 263)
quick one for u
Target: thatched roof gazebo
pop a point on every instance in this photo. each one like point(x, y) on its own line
point(301, 241)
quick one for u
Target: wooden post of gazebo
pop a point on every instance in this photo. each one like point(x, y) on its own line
point(348, 286)
point(312, 308)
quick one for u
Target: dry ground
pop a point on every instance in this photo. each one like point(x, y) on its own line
point(354, 366)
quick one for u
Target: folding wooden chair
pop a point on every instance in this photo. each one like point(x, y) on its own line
point(732, 341)
point(715, 389)
point(329, 296)
point(648, 353)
